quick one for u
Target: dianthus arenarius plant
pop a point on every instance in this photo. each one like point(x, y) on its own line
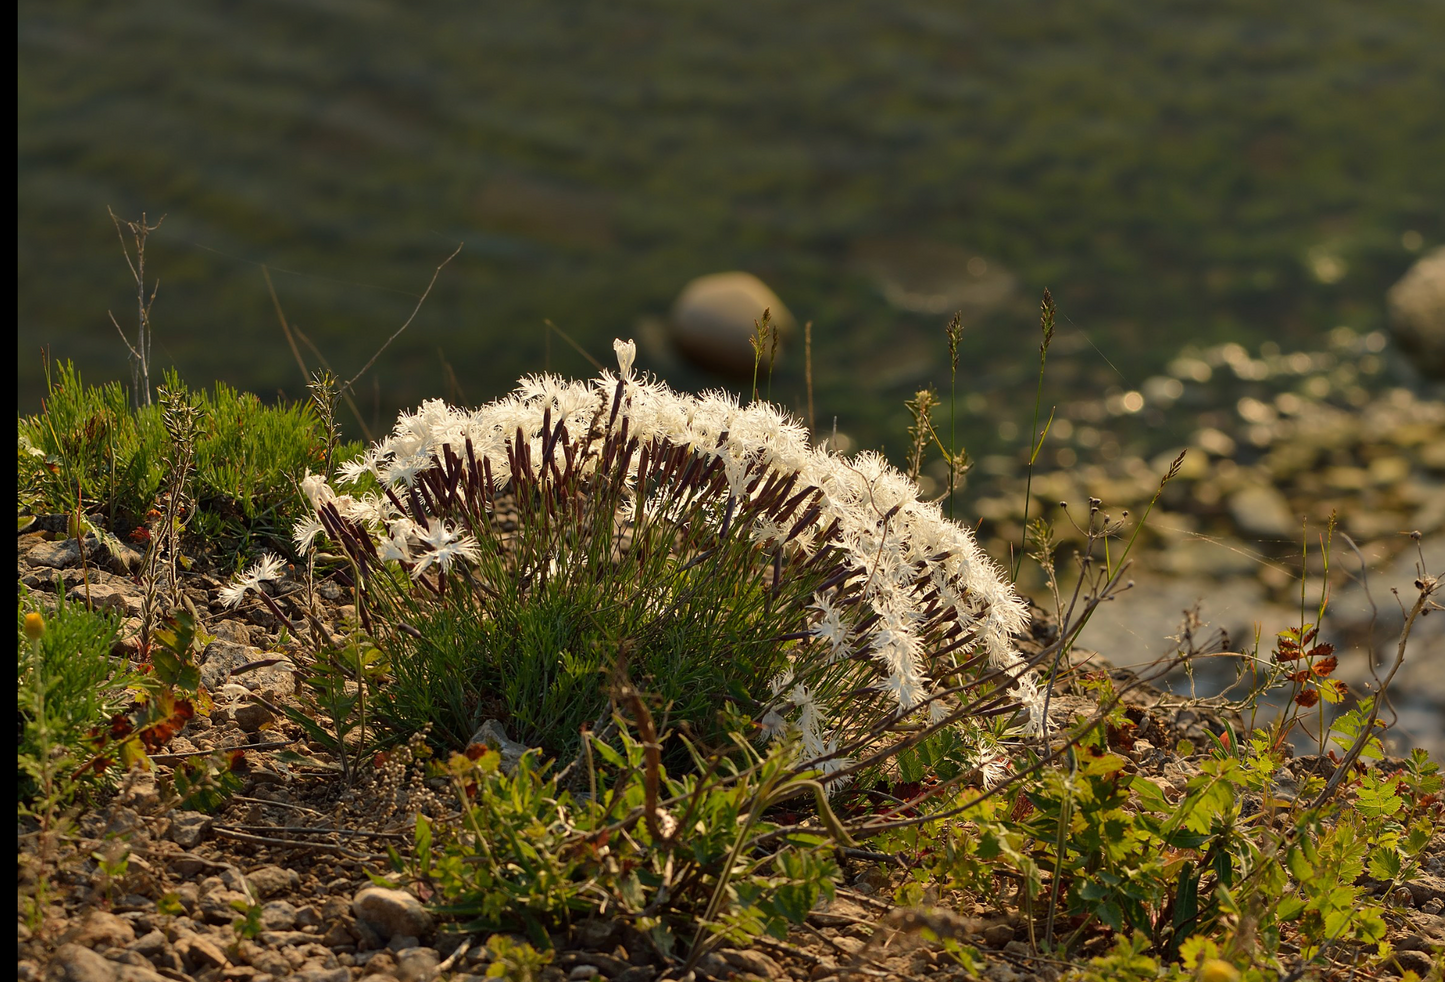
point(513, 558)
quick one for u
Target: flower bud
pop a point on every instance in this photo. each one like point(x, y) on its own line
point(34, 626)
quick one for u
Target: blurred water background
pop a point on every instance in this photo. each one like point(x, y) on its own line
point(1218, 194)
point(1191, 172)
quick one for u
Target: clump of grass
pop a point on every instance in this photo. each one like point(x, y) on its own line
point(516, 558)
point(89, 451)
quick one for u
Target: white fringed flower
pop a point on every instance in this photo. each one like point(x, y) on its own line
point(268, 567)
point(905, 565)
point(626, 354)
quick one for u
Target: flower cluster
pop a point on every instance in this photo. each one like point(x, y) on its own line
point(916, 617)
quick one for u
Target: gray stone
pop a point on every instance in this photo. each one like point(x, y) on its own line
point(278, 915)
point(417, 964)
point(219, 659)
point(490, 734)
point(188, 829)
point(392, 912)
point(713, 320)
point(251, 716)
point(100, 929)
point(121, 598)
point(268, 881)
point(158, 950)
point(200, 953)
point(60, 554)
point(1417, 313)
point(73, 963)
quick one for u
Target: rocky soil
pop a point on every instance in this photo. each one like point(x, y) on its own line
point(298, 841)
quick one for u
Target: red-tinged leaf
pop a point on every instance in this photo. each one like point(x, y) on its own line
point(1307, 698)
point(1287, 653)
point(120, 726)
point(1302, 675)
point(1322, 650)
point(1325, 666)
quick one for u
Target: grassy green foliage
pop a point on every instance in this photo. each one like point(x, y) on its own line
point(67, 684)
point(89, 450)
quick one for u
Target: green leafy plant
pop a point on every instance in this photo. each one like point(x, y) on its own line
point(67, 683)
point(691, 861)
point(166, 695)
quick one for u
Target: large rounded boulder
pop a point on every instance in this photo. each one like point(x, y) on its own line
point(1417, 314)
point(713, 320)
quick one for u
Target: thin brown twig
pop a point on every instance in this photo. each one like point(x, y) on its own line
point(172, 758)
point(316, 830)
point(285, 327)
point(421, 300)
point(265, 840)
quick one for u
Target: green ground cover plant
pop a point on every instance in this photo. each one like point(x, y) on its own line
point(67, 682)
point(89, 451)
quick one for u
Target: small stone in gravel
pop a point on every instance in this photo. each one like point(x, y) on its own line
point(272, 963)
point(199, 953)
point(188, 829)
point(392, 912)
point(107, 596)
point(377, 962)
point(278, 915)
point(100, 930)
point(322, 975)
point(640, 973)
point(158, 950)
point(219, 658)
point(417, 964)
point(56, 555)
point(268, 881)
point(754, 963)
point(251, 716)
point(72, 963)
point(997, 935)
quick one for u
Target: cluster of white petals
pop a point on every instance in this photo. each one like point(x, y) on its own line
point(887, 535)
point(268, 567)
